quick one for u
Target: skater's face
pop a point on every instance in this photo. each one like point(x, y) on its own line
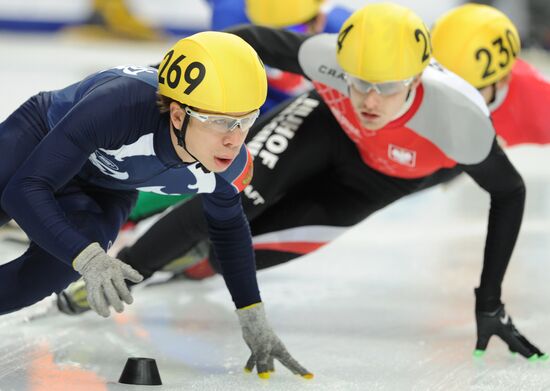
point(376, 105)
point(214, 139)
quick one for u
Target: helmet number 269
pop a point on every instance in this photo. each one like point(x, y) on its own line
point(171, 73)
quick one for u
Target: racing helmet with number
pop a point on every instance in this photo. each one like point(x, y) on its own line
point(213, 71)
point(477, 42)
point(383, 42)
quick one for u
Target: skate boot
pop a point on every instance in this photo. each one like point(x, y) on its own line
point(200, 271)
point(73, 300)
point(191, 258)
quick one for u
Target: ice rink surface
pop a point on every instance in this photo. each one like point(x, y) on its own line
point(387, 306)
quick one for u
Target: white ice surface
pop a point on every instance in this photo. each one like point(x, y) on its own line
point(388, 306)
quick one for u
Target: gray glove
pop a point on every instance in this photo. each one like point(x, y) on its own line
point(264, 344)
point(104, 277)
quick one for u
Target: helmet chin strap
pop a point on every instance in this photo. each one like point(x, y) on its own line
point(180, 136)
point(407, 104)
point(493, 94)
point(500, 96)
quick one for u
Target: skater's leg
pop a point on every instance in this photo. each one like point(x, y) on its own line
point(19, 135)
point(31, 277)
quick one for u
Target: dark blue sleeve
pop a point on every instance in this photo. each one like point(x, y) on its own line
point(227, 13)
point(230, 235)
point(29, 197)
point(336, 18)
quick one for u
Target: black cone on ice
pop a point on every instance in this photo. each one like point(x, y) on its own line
point(140, 370)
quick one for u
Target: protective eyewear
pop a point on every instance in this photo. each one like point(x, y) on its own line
point(386, 88)
point(224, 123)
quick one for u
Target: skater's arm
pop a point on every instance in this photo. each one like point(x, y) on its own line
point(497, 175)
point(230, 235)
point(229, 231)
point(277, 48)
point(30, 196)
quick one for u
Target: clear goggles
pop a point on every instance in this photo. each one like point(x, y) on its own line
point(224, 123)
point(386, 88)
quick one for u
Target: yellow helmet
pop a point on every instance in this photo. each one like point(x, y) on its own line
point(384, 42)
point(477, 42)
point(214, 71)
point(282, 13)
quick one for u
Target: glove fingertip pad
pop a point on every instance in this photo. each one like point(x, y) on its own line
point(478, 353)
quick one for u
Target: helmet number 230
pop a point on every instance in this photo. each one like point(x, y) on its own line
point(507, 48)
point(171, 73)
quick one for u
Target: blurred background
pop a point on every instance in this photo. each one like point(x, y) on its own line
point(143, 19)
point(79, 37)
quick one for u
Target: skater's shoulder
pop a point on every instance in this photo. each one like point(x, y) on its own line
point(453, 116)
point(317, 58)
point(444, 88)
